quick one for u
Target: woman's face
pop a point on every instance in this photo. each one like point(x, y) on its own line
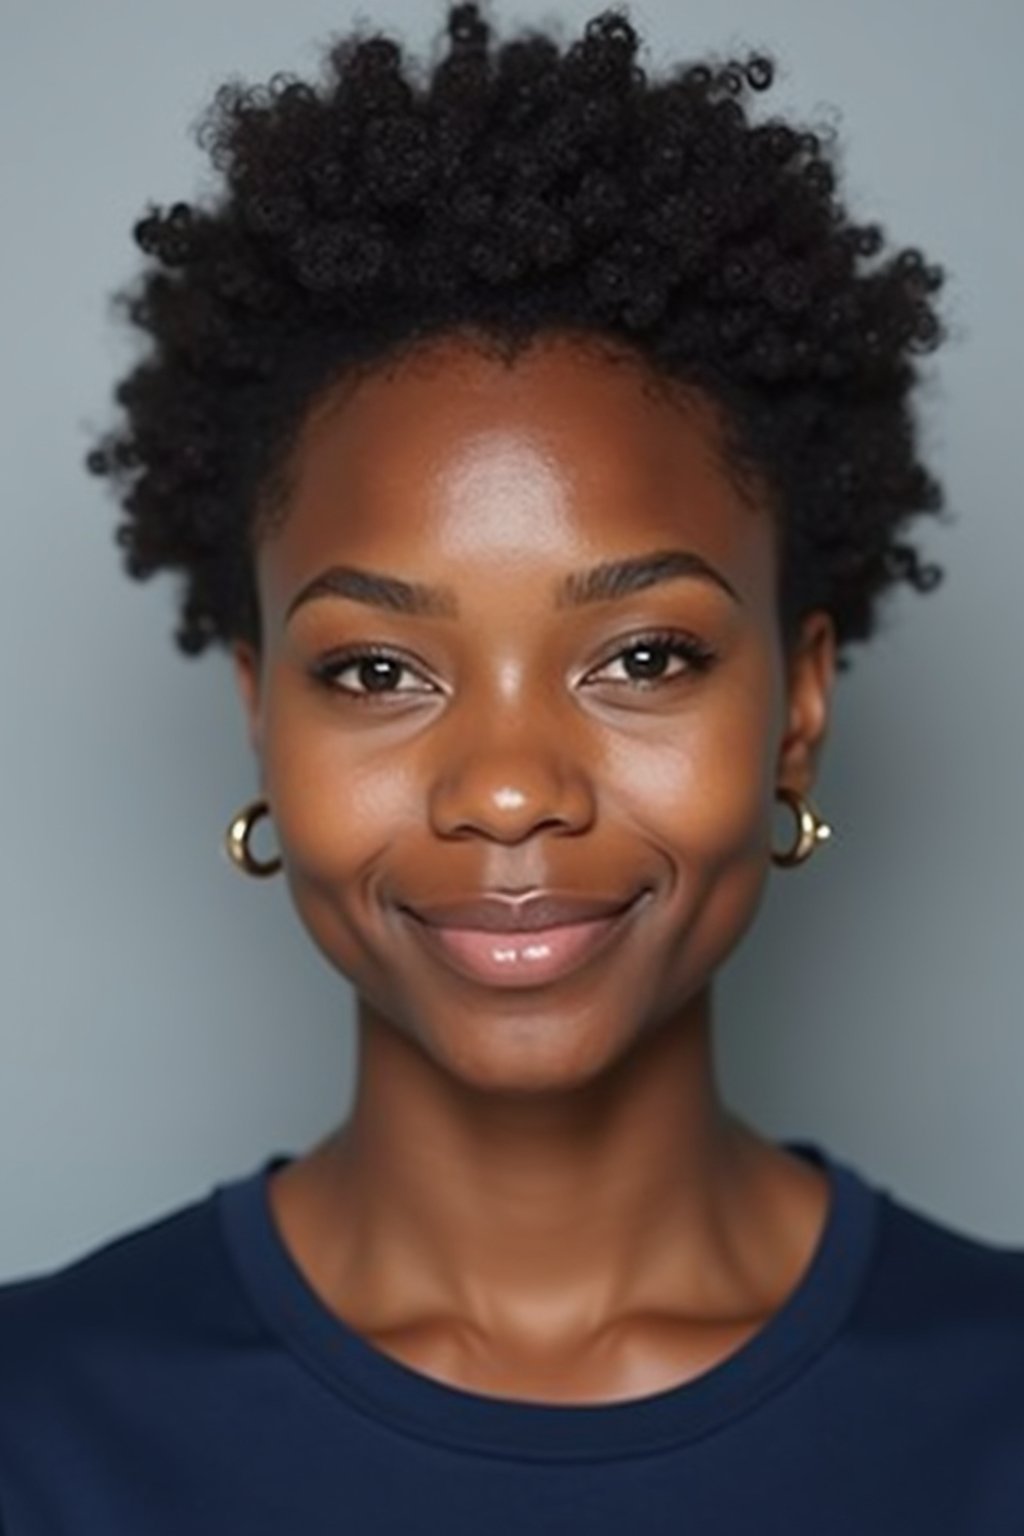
point(516, 737)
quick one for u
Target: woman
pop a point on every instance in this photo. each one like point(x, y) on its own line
point(537, 437)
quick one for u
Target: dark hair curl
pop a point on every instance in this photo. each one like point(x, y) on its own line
point(512, 189)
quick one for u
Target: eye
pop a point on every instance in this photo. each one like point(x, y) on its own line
point(375, 668)
point(651, 653)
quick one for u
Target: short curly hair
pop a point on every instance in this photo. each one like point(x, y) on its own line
point(508, 190)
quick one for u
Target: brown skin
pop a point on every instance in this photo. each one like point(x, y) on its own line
point(538, 1194)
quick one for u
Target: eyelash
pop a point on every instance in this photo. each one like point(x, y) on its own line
point(695, 652)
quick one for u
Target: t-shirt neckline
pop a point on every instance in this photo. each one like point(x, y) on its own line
point(407, 1399)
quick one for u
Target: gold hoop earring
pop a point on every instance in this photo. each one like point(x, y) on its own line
point(812, 829)
point(236, 841)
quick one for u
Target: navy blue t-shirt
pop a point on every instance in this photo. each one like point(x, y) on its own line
point(185, 1380)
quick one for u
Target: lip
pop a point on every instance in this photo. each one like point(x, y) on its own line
point(525, 956)
point(538, 911)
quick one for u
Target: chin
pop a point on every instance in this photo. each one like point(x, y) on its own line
point(531, 1055)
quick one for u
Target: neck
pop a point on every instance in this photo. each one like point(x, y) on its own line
point(521, 1213)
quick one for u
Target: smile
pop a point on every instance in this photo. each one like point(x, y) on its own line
point(527, 959)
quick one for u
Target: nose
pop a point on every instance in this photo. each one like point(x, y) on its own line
point(508, 790)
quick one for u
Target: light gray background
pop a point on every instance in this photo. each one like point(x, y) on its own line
point(165, 1023)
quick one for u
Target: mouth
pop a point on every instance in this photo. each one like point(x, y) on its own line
point(525, 957)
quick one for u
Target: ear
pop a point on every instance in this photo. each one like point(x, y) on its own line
point(247, 664)
point(811, 669)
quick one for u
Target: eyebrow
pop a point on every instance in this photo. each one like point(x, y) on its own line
point(611, 581)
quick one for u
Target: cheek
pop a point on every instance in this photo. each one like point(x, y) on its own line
point(716, 815)
point(339, 814)
point(705, 790)
point(335, 808)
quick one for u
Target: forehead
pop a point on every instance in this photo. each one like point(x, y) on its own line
point(453, 454)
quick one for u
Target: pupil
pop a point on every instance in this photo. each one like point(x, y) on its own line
point(647, 669)
point(376, 674)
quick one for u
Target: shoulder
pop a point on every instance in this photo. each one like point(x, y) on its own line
point(948, 1297)
point(945, 1266)
point(135, 1261)
point(146, 1288)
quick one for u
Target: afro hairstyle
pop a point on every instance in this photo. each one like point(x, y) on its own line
point(510, 188)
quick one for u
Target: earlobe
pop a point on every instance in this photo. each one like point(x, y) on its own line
point(246, 664)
